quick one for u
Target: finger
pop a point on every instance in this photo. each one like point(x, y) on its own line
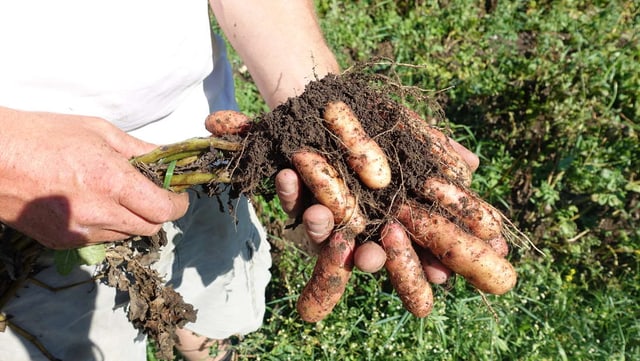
point(405, 271)
point(364, 155)
point(227, 122)
point(132, 189)
point(143, 198)
point(500, 245)
point(83, 229)
point(329, 279)
point(369, 257)
point(452, 163)
point(74, 240)
point(468, 156)
point(75, 236)
point(435, 271)
point(289, 190)
point(465, 254)
point(482, 219)
point(123, 143)
point(318, 222)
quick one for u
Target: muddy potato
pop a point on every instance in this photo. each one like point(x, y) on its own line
point(405, 271)
point(331, 274)
point(464, 253)
point(364, 156)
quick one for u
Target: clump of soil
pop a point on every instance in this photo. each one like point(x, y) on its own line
point(298, 124)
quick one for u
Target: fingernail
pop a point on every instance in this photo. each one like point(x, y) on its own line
point(318, 230)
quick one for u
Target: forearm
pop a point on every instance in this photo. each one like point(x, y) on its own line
point(280, 42)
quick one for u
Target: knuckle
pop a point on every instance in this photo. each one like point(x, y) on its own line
point(150, 229)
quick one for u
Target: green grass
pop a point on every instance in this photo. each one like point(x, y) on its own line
point(547, 94)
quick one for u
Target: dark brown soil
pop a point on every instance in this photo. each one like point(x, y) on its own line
point(298, 124)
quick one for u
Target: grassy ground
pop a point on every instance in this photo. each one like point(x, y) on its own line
point(547, 94)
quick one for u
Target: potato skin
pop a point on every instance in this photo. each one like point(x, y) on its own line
point(331, 273)
point(405, 271)
point(453, 165)
point(324, 182)
point(482, 219)
point(227, 122)
point(463, 253)
point(365, 156)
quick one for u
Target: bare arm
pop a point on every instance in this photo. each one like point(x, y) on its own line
point(280, 41)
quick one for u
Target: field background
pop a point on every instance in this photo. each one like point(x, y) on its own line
point(547, 94)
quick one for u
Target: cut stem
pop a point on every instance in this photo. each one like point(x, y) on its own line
point(187, 148)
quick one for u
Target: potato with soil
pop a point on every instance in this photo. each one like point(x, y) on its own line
point(373, 163)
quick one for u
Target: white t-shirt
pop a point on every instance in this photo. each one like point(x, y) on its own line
point(131, 62)
point(151, 68)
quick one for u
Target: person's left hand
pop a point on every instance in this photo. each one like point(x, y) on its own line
point(412, 245)
point(318, 219)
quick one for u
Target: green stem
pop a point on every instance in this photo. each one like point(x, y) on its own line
point(196, 178)
point(184, 149)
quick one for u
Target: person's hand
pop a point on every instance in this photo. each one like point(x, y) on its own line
point(66, 181)
point(415, 243)
point(318, 221)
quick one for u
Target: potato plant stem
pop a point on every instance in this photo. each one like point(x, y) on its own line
point(195, 178)
point(176, 163)
point(167, 153)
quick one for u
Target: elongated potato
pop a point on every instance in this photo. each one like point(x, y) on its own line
point(463, 253)
point(365, 156)
point(227, 122)
point(405, 271)
point(324, 182)
point(329, 279)
point(354, 219)
point(482, 219)
point(451, 162)
point(330, 190)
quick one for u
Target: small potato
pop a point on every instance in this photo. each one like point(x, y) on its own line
point(451, 162)
point(227, 122)
point(369, 257)
point(365, 156)
point(354, 219)
point(324, 182)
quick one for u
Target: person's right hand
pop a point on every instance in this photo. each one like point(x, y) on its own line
point(66, 181)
